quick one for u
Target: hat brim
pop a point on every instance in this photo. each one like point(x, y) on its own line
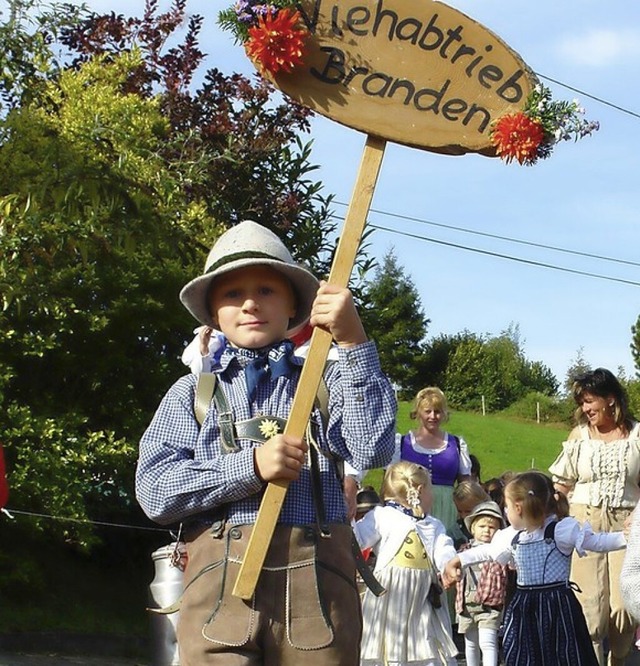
point(469, 520)
point(367, 506)
point(195, 294)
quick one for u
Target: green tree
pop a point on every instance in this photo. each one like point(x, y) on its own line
point(464, 377)
point(496, 369)
point(90, 227)
point(437, 354)
point(635, 346)
point(540, 378)
point(394, 319)
point(28, 32)
point(578, 366)
point(115, 178)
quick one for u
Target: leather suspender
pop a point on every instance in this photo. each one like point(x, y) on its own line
point(208, 388)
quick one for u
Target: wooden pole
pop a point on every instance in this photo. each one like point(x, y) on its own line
point(313, 366)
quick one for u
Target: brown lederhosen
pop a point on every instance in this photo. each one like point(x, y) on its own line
point(306, 608)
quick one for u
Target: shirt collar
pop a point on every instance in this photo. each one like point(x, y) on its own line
point(241, 356)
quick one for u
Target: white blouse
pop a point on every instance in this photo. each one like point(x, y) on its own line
point(465, 461)
point(385, 528)
point(601, 473)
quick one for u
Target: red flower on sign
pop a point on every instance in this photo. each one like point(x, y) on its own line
point(277, 42)
point(517, 136)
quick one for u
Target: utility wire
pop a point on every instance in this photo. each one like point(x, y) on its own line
point(506, 256)
point(600, 100)
point(84, 521)
point(593, 97)
point(502, 238)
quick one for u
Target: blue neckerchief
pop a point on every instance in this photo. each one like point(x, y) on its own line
point(271, 363)
point(400, 507)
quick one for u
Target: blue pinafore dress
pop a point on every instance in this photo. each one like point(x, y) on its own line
point(544, 624)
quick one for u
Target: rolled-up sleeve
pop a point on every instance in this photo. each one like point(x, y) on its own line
point(465, 459)
point(564, 469)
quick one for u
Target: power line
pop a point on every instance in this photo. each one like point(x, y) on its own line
point(85, 521)
point(518, 241)
point(508, 239)
point(593, 97)
point(506, 256)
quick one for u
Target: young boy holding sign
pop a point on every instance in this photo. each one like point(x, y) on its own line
point(306, 607)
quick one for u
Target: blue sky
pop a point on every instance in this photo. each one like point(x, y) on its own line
point(585, 198)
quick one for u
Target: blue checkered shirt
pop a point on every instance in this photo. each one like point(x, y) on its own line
point(183, 475)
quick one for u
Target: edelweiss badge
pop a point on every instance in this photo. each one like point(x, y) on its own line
point(269, 428)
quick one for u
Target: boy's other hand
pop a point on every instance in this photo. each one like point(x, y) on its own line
point(334, 311)
point(280, 457)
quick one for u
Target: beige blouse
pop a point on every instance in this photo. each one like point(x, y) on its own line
point(602, 474)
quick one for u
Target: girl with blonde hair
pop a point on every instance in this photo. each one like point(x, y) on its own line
point(410, 622)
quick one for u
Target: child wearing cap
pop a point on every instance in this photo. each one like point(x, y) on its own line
point(212, 477)
point(480, 593)
point(466, 496)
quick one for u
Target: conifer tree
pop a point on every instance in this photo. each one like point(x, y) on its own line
point(394, 319)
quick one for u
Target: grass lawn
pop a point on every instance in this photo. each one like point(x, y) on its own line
point(500, 443)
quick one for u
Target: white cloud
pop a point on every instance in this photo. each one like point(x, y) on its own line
point(601, 47)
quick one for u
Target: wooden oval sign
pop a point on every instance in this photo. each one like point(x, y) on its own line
point(418, 73)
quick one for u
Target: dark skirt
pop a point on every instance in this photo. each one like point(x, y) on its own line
point(545, 626)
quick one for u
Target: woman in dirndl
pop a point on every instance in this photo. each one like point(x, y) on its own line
point(444, 455)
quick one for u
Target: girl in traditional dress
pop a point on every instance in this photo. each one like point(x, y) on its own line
point(409, 624)
point(544, 624)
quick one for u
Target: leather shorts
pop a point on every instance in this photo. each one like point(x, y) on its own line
point(305, 610)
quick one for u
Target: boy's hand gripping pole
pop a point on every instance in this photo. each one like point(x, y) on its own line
point(313, 366)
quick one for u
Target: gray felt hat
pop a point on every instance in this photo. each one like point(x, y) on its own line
point(249, 244)
point(488, 508)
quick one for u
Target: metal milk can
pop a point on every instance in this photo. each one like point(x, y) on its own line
point(166, 588)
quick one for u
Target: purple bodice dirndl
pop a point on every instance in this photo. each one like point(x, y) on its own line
point(443, 466)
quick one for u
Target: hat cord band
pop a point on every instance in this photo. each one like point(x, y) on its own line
point(250, 254)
